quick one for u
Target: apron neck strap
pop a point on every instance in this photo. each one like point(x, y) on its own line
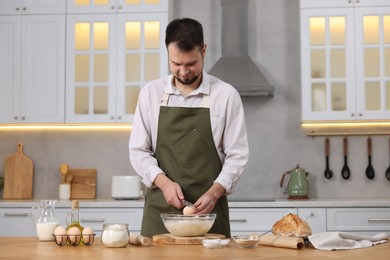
point(165, 99)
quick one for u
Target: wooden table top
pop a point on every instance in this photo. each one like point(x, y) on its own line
point(32, 248)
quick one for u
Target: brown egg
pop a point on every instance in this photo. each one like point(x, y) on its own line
point(74, 234)
point(61, 235)
point(87, 235)
point(188, 210)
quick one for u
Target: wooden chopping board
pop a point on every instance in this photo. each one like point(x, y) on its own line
point(83, 184)
point(174, 240)
point(18, 176)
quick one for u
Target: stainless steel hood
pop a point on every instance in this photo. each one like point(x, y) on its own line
point(235, 66)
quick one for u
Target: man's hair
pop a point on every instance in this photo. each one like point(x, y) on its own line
point(186, 33)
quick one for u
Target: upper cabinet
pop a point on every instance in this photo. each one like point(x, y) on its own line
point(115, 6)
point(345, 60)
point(111, 56)
point(32, 7)
point(32, 64)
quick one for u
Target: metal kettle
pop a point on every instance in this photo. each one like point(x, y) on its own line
point(298, 185)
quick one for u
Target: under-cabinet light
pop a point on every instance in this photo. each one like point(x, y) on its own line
point(65, 127)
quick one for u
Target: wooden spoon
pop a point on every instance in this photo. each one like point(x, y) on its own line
point(370, 173)
point(64, 168)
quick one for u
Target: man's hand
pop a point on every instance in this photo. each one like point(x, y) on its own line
point(206, 203)
point(171, 190)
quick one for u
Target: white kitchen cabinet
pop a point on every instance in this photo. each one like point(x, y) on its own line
point(340, 3)
point(359, 220)
point(255, 220)
point(315, 217)
point(110, 58)
point(32, 6)
point(345, 60)
point(16, 222)
point(32, 65)
point(115, 6)
point(96, 217)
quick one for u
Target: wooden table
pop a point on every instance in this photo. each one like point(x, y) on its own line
point(32, 248)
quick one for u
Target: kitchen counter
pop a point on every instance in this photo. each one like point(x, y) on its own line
point(233, 202)
point(32, 248)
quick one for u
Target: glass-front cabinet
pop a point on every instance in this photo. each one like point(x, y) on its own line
point(345, 60)
point(110, 58)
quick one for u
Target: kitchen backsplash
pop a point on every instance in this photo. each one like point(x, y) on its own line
point(277, 142)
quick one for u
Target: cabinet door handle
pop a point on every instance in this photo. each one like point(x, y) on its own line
point(379, 220)
point(16, 214)
point(93, 220)
point(239, 220)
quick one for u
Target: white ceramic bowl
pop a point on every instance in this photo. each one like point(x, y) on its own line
point(188, 226)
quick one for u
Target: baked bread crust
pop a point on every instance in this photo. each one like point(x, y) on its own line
point(291, 225)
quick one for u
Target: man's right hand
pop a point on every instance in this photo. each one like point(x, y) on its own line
point(171, 190)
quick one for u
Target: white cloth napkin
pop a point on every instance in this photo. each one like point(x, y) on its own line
point(344, 240)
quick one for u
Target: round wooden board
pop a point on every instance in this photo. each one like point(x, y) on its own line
point(174, 240)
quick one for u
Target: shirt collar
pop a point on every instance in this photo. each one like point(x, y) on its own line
point(204, 87)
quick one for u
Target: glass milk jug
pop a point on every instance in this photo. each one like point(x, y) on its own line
point(47, 221)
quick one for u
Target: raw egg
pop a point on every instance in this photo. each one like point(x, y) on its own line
point(61, 234)
point(87, 235)
point(188, 210)
point(74, 234)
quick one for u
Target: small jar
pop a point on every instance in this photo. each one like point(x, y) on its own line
point(115, 235)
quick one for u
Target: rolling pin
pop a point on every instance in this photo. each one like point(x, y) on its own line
point(139, 240)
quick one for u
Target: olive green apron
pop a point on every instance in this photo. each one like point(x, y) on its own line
point(186, 153)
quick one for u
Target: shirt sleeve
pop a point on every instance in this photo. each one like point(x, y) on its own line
point(140, 145)
point(234, 144)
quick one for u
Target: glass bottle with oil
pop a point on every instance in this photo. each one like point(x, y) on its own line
point(72, 218)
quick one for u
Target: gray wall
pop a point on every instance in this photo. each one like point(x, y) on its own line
point(277, 141)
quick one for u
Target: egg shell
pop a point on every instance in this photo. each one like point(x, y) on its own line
point(60, 231)
point(87, 232)
point(188, 210)
point(61, 234)
point(74, 234)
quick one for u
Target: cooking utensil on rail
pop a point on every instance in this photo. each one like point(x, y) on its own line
point(345, 172)
point(388, 169)
point(370, 173)
point(328, 173)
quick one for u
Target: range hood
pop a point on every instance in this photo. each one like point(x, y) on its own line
point(235, 66)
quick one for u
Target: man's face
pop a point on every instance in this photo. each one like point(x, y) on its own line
point(187, 66)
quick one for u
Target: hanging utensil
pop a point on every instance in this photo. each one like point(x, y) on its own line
point(388, 169)
point(345, 172)
point(328, 173)
point(370, 173)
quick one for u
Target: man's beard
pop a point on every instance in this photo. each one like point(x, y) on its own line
point(188, 81)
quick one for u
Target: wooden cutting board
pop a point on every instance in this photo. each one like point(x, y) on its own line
point(18, 176)
point(174, 240)
point(83, 184)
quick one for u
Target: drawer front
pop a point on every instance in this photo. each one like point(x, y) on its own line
point(16, 222)
point(256, 220)
point(358, 219)
point(95, 218)
point(315, 217)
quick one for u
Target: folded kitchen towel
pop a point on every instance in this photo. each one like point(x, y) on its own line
point(343, 240)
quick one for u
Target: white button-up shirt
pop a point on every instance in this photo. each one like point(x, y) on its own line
point(227, 123)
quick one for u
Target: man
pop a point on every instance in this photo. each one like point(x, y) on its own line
point(188, 140)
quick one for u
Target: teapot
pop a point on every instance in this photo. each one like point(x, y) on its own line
point(298, 185)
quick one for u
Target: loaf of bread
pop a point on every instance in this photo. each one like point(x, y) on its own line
point(291, 225)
